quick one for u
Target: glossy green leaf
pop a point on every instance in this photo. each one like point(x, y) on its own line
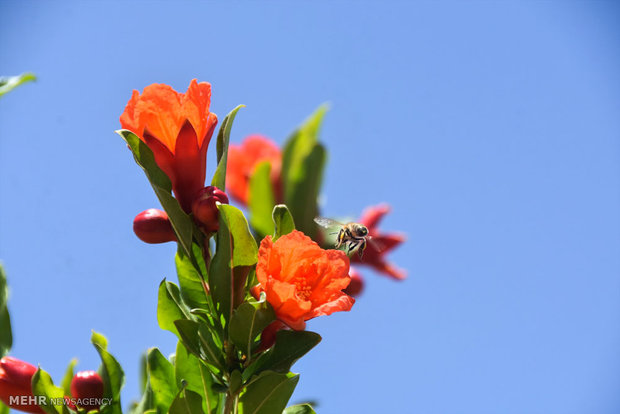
point(6, 335)
point(248, 322)
point(303, 161)
point(261, 200)
point(187, 402)
point(66, 379)
point(188, 368)
point(201, 342)
point(245, 250)
point(289, 347)
point(182, 224)
point(236, 252)
point(268, 393)
point(161, 380)
point(223, 138)
point(8, 83)
point(191, 281)
point(299, 409)
point(51, 396)
point(3, 408)
point(170, 306)
point(111, 373)
point(221, 273)
point(283, 221)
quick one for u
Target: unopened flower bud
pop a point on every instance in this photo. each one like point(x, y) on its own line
point(205, 209)
point(268, 336)
point(87, 386)
point(153, 226)
point(356, 286)
point(15, 384)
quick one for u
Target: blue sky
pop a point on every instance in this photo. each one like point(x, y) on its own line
point(491, 128)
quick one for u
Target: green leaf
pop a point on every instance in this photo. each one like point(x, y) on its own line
point(161, 380)
point(261, 200)
point(98, 339)
point(6, 336)
point(3, 408)
point(289, 347)
point(170, 307)
point(8, 83)
point(146, 402)
point(221, 273)
point(187, 402)
point(182, 224)
point(236, 252)
point(303, 196)
point(50, 395)
point(283, 221)
point(303, 161)
point(223, 138)
point(245, 250)
point(268, 393)
point(143, 376)
point(188, 368)
point(4, 289)
point(248, 321)
point(66, 379)
point(111, 372)
point(191, 281)
point(299, 409)
point(201, 342)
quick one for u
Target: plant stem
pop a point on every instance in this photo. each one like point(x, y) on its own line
point(229, 403)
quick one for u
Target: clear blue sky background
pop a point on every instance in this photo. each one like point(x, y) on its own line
point(491, 127)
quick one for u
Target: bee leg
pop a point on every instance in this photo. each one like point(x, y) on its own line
point(339, 239)
point(348, 234)
point(352, 246)
point(361, 249)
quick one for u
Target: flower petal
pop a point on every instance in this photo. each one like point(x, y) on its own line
point(373, 215)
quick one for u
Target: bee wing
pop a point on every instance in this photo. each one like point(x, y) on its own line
point(376, 244)
point(326, 222)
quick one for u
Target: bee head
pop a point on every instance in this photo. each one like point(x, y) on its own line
point(362, 230)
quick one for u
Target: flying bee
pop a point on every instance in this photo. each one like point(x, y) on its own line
point(351, 235)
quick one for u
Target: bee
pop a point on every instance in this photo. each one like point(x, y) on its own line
point(352, 235)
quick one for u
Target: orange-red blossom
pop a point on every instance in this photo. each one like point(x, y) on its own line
point(177, 127)
point(301, 280)
point(243, 159)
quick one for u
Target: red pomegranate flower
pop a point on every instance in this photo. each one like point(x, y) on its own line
point(301, 280)
point(242, 159)
point(381, 243)
point(15, 381)
point(177, 127)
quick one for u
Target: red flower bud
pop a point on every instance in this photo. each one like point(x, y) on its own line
point(356, 287)
point(15, 380)
point(153, 226)
point(87, 385)
point(268, 336)
point(205, 209)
